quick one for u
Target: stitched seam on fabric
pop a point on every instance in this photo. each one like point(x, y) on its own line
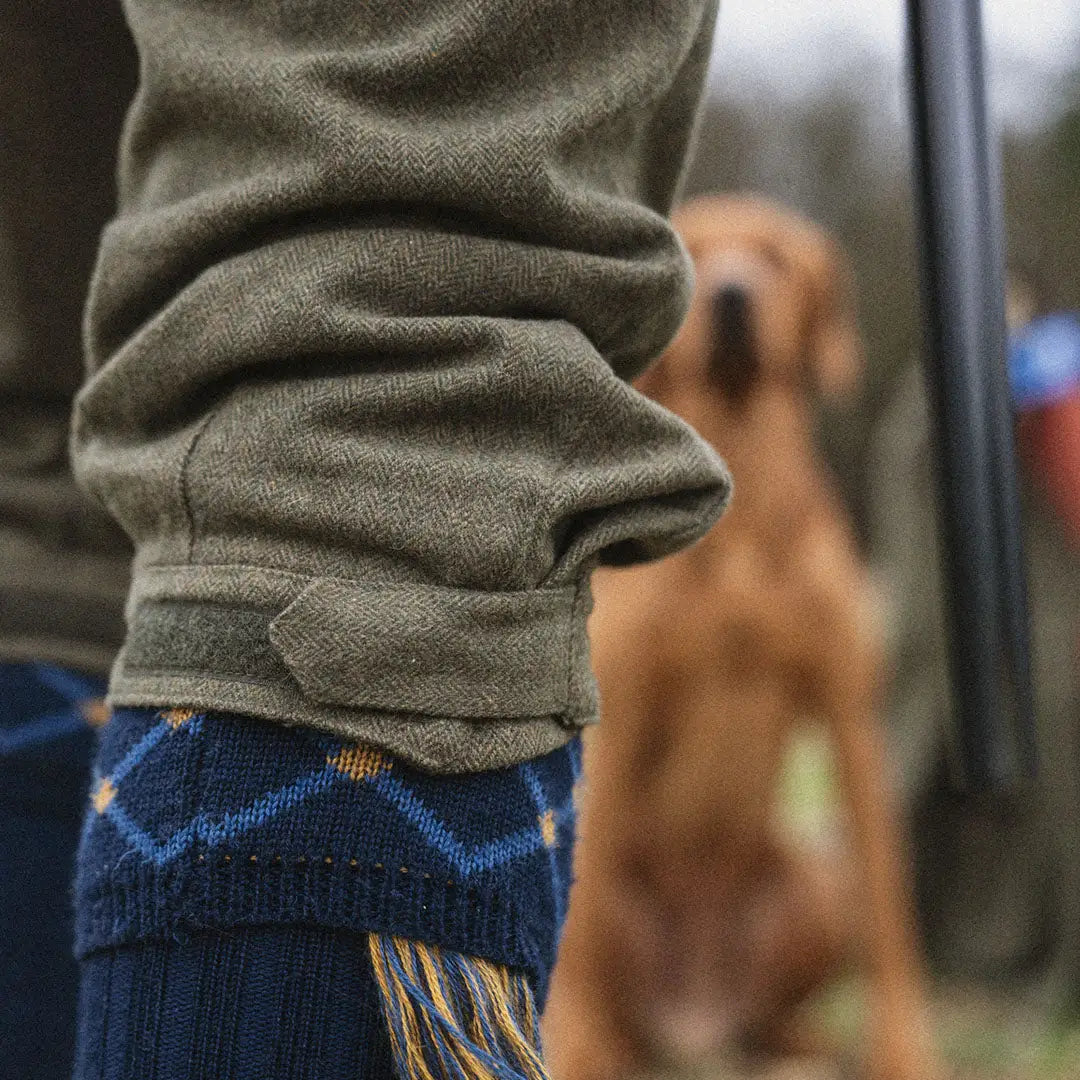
point(209, 676)
point(200, 673)
point(145, 876)
point(101, 881)
point(571, 637)
point(185, 464)
point(317, 861)
point(160, 569)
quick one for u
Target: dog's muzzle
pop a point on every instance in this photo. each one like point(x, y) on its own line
point(733, 361)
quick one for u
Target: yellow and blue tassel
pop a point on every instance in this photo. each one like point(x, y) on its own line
point(455, 1017)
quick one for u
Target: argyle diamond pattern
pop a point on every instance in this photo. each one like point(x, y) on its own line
point(200, 819)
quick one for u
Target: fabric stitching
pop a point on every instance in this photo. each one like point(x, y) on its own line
point(184, 484)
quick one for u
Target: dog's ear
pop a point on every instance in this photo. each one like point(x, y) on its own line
point(834, 348)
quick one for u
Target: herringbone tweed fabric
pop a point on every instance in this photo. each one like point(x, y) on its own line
point(359, 338)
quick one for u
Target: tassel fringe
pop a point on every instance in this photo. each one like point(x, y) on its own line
point(455, 1017)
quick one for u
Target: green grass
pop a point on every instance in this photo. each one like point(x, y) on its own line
point(978, 1037)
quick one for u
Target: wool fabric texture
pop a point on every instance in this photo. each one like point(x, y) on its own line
point(359, 340)
point(47, 716)
point(208, 820)
point(359, 337)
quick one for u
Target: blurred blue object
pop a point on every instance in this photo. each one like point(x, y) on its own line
point(1044, 360)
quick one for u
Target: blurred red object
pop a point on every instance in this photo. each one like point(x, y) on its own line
point(1050, 444)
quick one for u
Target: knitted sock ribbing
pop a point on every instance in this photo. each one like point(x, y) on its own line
point(256, 1003)
point(221, 822)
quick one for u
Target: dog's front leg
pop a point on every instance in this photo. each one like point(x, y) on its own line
point(900, 1043)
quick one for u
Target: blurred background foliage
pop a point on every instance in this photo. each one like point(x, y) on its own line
point(839, 155)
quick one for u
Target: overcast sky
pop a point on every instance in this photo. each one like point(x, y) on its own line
point(790, 46)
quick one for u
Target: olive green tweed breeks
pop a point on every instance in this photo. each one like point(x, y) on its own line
point(359, 339)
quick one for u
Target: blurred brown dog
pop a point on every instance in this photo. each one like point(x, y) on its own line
point(693, 925)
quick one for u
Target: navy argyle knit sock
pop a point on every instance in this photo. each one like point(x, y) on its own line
point(46, 742)
point(234, 870)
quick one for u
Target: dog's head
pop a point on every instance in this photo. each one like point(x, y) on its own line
point(773, 305)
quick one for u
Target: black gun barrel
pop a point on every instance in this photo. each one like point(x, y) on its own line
point(957, 179)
